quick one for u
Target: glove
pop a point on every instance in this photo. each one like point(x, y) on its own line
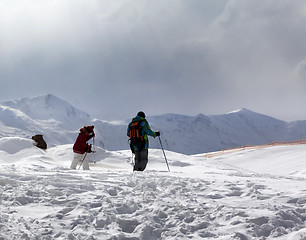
point(89, 148)
point(157, 134)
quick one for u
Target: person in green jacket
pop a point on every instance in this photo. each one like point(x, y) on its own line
point(138, 131)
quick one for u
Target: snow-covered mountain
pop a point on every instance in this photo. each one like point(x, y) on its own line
point(60, 122)
point(203, 133)
point(48, 115)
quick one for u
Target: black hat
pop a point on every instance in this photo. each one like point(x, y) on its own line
point(141, 114)
point(90, 129)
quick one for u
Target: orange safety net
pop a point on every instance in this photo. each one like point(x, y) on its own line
point(248, 147)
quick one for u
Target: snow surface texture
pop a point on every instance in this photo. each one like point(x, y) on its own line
point(59, 123)
point(251, 194)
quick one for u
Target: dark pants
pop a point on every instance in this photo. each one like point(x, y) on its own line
point(141, 160)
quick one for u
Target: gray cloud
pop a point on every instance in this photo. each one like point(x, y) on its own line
point(113, 58)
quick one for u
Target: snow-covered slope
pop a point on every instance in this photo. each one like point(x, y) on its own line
point(49, 108)
point(191, 135)
point(241, 195)
point(60, 122)
point(47, 115)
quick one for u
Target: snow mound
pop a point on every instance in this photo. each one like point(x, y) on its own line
point(286, 160)
point(12, 145)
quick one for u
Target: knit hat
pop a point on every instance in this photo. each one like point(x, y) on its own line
point(141, 114)
point(90, 129)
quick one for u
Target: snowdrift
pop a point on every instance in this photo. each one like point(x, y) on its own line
point(251, 194)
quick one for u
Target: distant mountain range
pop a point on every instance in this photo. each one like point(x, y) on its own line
point(59, 122)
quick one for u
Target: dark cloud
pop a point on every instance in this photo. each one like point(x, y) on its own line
point(113, 58)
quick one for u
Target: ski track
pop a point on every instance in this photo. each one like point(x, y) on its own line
point(57, 203)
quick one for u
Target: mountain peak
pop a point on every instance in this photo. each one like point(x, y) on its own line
point(241, 110)
point(45, 100)
point(50, 98)
point(49, 107)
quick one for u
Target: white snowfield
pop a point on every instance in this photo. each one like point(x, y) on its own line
point(251, 194)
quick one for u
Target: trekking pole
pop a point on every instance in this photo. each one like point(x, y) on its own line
point(132, 151)
point(83, 159)
point(164, 153)
point(133, 162)
point(94, 148)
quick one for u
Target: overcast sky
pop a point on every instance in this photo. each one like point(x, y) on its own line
point(113, 58)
